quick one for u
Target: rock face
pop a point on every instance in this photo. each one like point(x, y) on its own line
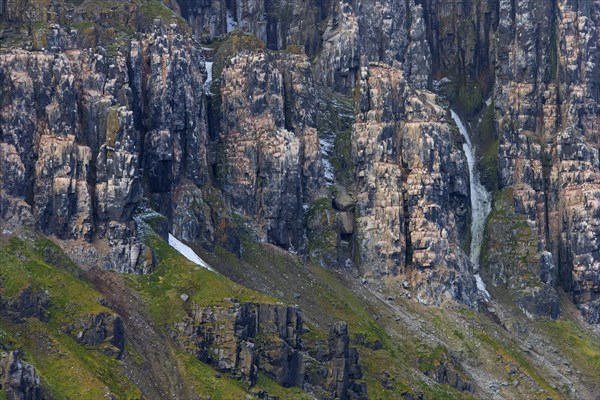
point(74, 126)
point(412, 184)
point(276, 23)
point(547, 122)
point(513, 260)
point(244, 338)
point(18, 379)
point(460, 36)
point(336, 366)
point(271, 159)
point(89, 133)
point(378, 31)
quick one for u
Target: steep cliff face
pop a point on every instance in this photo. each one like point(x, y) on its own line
point(129, 125)
point(374, 31)
point(412, 186)
point(320, 127)
point(271, 162)
point(74, 126)
point(276, 23)
point(546, 112)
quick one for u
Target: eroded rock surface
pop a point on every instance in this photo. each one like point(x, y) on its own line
point(243, 339)
point(18, 379)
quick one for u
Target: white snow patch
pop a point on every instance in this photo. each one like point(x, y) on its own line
point(209, 76)
point(187, 252)
point(480, 204)
point(231, 23)
point(481, 287)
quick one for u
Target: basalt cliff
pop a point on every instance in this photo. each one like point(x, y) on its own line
point(327, 199)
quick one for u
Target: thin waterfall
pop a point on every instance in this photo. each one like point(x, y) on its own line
point(480, 203)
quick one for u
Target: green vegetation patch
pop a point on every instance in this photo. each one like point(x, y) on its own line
point(489, 144)
point(43, 266)
point(152, 9)
point(574, 342)
point(174, 276)
point(68, 370)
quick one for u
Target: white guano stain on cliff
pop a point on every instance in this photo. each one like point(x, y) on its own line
point(188, 253)
point(480, 204)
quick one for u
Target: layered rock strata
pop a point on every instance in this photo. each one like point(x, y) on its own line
point(546, 111)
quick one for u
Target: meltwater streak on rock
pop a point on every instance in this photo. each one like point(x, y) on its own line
point(326, 148)
point(480, 203)
point(188, 253)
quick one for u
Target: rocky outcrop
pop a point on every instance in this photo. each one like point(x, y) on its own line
point(335, 367)
point(446, 375)
point(243, 339)
point(28, 303)
point(104, 331)
point(18, 379)
point(412, 188)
